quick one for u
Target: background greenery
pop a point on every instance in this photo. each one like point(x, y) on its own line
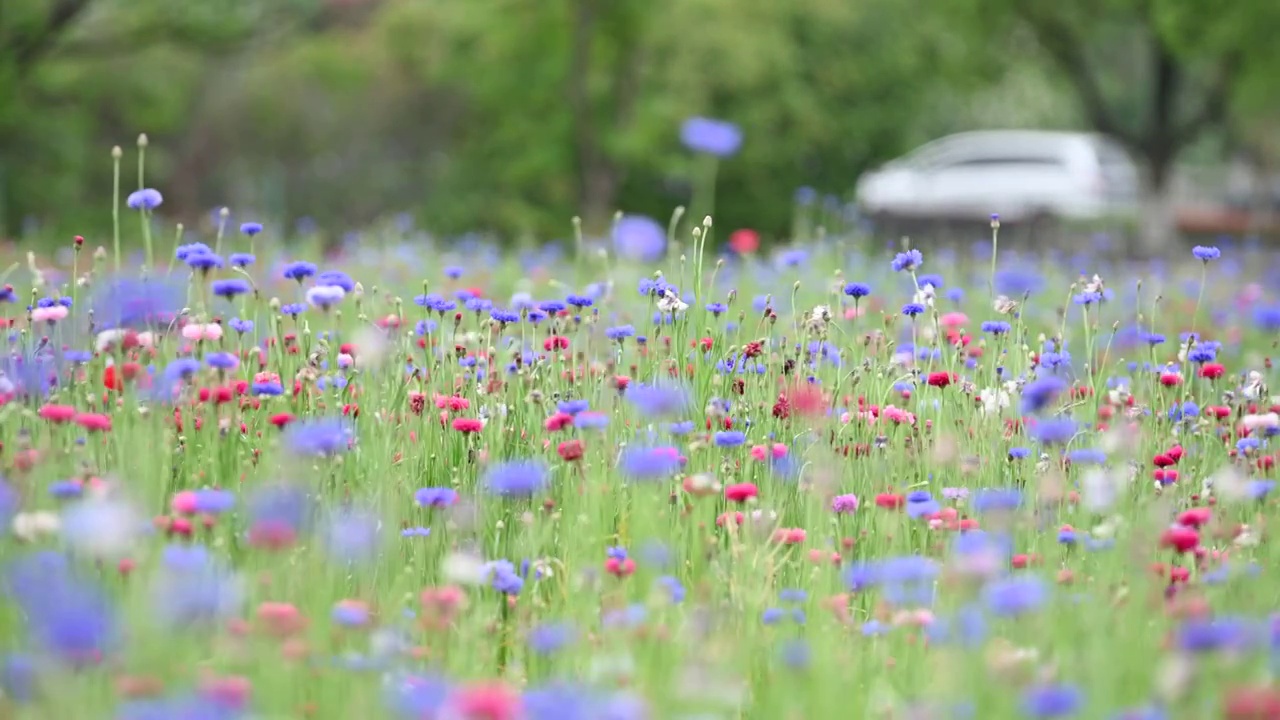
point(512, 116)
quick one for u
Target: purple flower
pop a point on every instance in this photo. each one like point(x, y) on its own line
point(352, 535)
point(639, 238)
point(146, 199)
point(550, 638)
point(435, 497)
point(250, 228)
point(192, 587)
point(847, 503)
point(650, 463)
point(138, 303)
point(660, 399)
point(299, 270)
point(325, 296)
point(516, 479)
point(320, 436)
point(65, 614)
point(713, 137)
point(230, 287)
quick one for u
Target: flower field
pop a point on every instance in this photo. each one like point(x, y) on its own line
point(649, 479)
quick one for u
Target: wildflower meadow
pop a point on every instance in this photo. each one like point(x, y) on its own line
point(659, 474)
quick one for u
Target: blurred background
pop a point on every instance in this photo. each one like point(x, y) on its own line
point(511, 116)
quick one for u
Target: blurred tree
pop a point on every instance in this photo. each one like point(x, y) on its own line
point(1154, 74)
point(79, 75)
point(573, 106)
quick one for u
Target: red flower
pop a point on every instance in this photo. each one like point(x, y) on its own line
point(789, 536)
point(417, 402)
point(93, 422)
point(1170, 379)
point(281, 419)
point(619, 568)
point(58, 413)
point(1163, 460)
point(555, 342)
point(782, 408)
point(1212, 371)
point(740, 492)
point(752, 349)
point(941, 379)
point(889, 501)
point(570, 450)
point(1251, 703)
point(621, 381)
point(467, 425)
point(1175, 452)
point(1180, 539)
point(112, 380)
point(744, 241)
point(1195, 517)
point(559, 421)
point(1218, 411)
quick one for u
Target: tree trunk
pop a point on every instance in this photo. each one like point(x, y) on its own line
point(1158, 223)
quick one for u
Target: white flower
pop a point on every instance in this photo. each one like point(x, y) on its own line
point(1260, 421)
point(993, 401)
point(32, 526)
point(925, 295)
point(1254, 388)
point(465, 569)
point(671, 303)
point(103, 526)
point(1004, 305)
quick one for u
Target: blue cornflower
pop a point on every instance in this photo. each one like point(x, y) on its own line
point(857, 290)
point(63, 612)
point(193, 587)
point(222, 360)
point(503, 577)
point(521, 478)
point(573, 407)
point(995, 327)
point(1219, 633)
point(293, 309)
point(1051, 701)
point(435, 497)
point(996, 500)
point(772, 616)
point(619, 333)
point(453, 272)
point(271, 388)
point(1087, 456)
point(551, 307)
point(912, 309)
point(1053, 431)
point(241, 259)
point(250, 228)
point(319, 436)
point(230, 287)
point(1015, 596)
point(145, 199)
point(1267, 317)
point(578, 301)
point(795, 595)
point(505, 317)
point(730, 438)
point(550, 638)
point(536, 316)
point(1201, 354)
point(907, 261)
point(65, 490)
point(1206, 253)
point(352, 535)
point(659, 399)
point(713, 137)
point(681, 428)
point(717, 309)
point(182, 252)
point(1040, 392)
point(1018, 453)
point(639, 238)
point(336, 278)
point(644, 463)
point(930, 279)
point(214, 502)
point(299, 270)
point(182, 368)
point(325, 296)
point(1017, 282)
point(137, 303)
point(591, 421)
point(241, 326)
point(204, 261)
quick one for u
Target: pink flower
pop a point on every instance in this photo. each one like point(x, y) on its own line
point(489, 701)
point(844, 503)
point(741, 492)
point(50, 314)
point(789, 536)
point(184, 503)
point(953, 319)
point(280, 619)
point(202, 331)
point(762, 452)
point(898, 415)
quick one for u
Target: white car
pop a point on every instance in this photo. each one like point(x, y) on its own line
point(1022, 175)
